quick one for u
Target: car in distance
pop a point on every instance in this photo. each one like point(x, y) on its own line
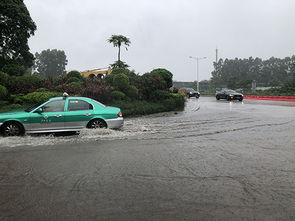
point(190, 92)
point(229, 95)
point(61, 114)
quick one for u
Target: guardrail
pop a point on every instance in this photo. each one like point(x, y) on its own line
point(273, 98)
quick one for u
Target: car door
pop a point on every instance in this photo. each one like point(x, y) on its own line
point(79, 113)
point(48, 117)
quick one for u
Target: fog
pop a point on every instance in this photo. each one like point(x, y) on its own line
point(163, 33)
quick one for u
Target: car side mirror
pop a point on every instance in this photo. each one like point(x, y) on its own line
point(39, 110)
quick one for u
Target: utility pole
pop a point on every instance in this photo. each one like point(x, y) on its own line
point(197, 62)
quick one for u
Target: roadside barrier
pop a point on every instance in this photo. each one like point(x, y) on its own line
point(273, 98)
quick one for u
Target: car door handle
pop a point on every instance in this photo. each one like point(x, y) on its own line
point(58, 115)
point(87, 114)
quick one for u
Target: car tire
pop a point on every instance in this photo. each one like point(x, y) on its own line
point(12, 129)
point(217, 97)
point(97, 123)
point(228, 98)
point(241, 99)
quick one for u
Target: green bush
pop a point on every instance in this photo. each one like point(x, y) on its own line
point(4, 79)
point(3, 92)
point(14, 69)
point(166, 76)
point(118, 95)
point(39, 97)
point(132, 92)
point(42, 89)
point(25, 84)
point(73, 79)
point(75, 74)
point(76, 84)
point(121, 82)
point(158, 95)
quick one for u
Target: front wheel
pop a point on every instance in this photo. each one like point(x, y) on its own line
point(217, 97)
point(228, 98)
point(12, 129)
point(97, 123)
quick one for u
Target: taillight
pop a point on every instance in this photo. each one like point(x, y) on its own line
point(120, 114)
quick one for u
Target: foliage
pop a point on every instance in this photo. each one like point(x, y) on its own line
point(14, 69)
point(118, 41)
point(51, 63)
point(4, 79)
point(132, 92)
point(159, 95)
point(118, 95)
point(239, 73)
point(37, 97)
point(25, 84)
point(3, 92)
point(121, 82)
point(97, 89)
point(120, 65)
point(16, 27)
point(136, 107)
point(73, 79)
point(75, 74)
point(150, 82)
point(165, 74)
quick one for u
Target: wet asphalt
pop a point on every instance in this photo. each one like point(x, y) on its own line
point(216, 160)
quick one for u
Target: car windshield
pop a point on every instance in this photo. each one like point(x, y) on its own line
point(29, 109)
point(230, 91)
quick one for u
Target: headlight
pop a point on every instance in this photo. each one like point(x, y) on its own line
point(231, 95)
point(190, 92)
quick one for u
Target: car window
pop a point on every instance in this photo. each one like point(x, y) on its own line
point(76, 105)
point(54, 106)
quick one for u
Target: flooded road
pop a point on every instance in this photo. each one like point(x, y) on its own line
point(216, 160)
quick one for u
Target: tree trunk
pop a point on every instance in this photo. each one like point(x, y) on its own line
point(119, 53)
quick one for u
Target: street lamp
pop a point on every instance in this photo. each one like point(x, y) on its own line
point(197, 59)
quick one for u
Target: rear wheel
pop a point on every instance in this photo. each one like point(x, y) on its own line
point(12, 129)
point(97, 123)
point(217, 97)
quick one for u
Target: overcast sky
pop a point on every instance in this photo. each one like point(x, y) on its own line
point(163, 33)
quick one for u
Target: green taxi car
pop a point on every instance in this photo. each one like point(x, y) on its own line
point(61, 114)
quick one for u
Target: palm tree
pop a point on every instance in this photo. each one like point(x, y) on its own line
point(117, 41)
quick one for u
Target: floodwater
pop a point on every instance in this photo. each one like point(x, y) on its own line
point(216, 160)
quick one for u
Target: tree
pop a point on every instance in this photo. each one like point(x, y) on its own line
point(51, 63)
point(16, 26)
point(118, 41)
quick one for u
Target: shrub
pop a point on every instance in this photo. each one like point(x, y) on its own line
point(166, 76)
point(14, 69)
point(159, 95)
point(73, 79)
point(76, 84)
point(121, 82)
point(132, 92)
point(97, 89)
point(3, 92)
point(150, 82)
point(75, 74)
point(26, 83)
point(118, 95)
point(4, 79)
point(41, 89)
point(39, 97)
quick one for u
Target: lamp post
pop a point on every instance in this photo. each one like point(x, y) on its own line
point(197, 59)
